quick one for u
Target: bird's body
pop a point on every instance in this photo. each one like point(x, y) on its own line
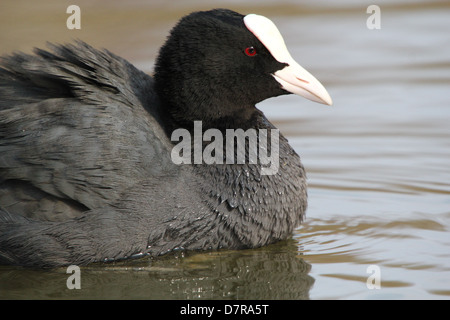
point(86, 172)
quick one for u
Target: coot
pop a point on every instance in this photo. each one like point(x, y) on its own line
point(87, 172)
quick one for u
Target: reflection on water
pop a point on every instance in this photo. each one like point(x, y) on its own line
point(377, 161)
point(275, 272)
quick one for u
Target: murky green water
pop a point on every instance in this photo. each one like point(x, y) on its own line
point(378, 161)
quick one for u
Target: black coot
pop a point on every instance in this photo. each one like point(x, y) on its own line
point(86, 157)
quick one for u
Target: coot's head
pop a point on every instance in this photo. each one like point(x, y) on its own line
point(216, 65)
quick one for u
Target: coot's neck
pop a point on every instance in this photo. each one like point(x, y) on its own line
point(259, 208)
point(213, 113)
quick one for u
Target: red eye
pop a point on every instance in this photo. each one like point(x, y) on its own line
point(250, 51)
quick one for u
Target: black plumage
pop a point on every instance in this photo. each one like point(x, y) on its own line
point(85, 167)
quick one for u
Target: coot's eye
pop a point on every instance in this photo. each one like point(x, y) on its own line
point(250, 51)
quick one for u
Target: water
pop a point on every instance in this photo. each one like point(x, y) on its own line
point(377, 161)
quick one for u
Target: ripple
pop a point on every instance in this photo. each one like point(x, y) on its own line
point(410, 252)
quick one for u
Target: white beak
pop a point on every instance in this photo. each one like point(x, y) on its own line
point(293, 78)
point(297, 80)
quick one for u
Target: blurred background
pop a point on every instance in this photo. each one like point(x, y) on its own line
point(378, 160)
